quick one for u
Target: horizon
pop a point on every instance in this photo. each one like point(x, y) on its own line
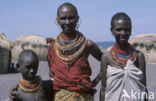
point(30, 17)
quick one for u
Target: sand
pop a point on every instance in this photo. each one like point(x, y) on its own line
point(10, 79)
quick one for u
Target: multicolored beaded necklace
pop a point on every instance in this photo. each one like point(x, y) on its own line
point(30, 87)
point(121, 57)
point(69, 51)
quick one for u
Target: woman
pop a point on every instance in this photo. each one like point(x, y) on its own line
point(67, 57)
point(123, 68)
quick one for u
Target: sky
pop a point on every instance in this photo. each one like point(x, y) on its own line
point(18, 17)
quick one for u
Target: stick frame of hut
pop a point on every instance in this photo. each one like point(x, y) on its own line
point(5, 53)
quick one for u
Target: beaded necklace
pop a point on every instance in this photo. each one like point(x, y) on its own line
point(30, 87)
point(70, 52)
point(121, 57)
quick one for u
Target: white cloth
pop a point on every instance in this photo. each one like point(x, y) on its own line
point(124, 84)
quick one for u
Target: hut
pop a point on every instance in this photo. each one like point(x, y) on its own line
point(33, 42)
point(5, 53)
point(147, 44)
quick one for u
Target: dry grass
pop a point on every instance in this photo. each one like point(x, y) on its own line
point(144, 40)
point(33, 42)
point(4, 42)
point(147, 44)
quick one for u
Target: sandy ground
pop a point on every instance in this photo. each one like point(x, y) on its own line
point(10, 79)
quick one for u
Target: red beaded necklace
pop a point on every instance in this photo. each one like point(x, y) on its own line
point(119, 60)
point(30, 87)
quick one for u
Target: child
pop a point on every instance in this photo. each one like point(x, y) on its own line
point(123, 68)
point(31, 87)
point(68, 58)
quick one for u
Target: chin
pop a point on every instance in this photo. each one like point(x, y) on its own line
point(31, 78)
point(70, 31)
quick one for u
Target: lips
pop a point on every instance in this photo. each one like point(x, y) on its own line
point(67, 27)
point(123, 38)
point(31, 74)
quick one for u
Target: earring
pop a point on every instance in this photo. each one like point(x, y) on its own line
point(57, 18)
point(56, 23)
point(78, 24)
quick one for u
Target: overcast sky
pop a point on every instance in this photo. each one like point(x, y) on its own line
point(19, 17)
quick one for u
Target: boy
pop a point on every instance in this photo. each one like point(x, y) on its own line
point(31, 87)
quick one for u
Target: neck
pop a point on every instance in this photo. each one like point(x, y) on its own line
point(122, 47)
point(68, 36)
point(31, 80)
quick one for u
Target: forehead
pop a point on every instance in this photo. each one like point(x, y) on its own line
point(67, 10)
point(28, 60)
point(122, 22)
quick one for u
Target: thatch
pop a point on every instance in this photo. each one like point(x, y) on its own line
point(144, 40)
point(147, 44)
point(4, 42)
point(34, 42)
point(5, 53)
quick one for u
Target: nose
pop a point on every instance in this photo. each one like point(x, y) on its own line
point(67, 21)
point(31, 70)
point(123, 32)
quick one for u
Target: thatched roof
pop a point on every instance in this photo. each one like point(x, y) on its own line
point(4, 42)
point(147, 44)
point(148, 40)
point(33, 39)
point(30, 41)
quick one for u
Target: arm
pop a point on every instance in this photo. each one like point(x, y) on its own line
point(50, 61)
point(104, 62)
point(96, 53)
point(47, 86)
point(13, 93)
point(94, 50)
point(142, 66)
point(97, 79)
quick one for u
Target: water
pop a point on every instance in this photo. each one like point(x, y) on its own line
point(105, 44)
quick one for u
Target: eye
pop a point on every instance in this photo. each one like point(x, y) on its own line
point(71, 17)
point(118, 29)
point(28, 67)
point(62, 18)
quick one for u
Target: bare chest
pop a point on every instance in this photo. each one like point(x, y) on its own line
point(39, 96)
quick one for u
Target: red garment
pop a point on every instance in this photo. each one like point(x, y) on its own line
point(76, 78)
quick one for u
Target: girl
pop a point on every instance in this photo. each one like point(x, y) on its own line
point(123, 68)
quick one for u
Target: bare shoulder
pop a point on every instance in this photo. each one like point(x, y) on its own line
point(105, 57)
point(89, 42)
point(140, 60)
point(140, 54)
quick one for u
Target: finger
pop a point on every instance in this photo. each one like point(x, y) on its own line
point(11, 97)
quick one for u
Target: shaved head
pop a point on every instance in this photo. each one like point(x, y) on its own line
point(27, 57)
point(120, 16)
point(67, 5)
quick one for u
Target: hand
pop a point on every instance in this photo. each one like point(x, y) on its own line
point(13, 93)
point(96, 80)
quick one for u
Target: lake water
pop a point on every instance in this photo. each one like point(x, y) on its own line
point(105, 44)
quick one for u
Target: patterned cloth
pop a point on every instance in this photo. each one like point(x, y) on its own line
point(64, 95)
point(123, 83)
point(74, 79)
